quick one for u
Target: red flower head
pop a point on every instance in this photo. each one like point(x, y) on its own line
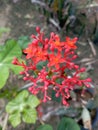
point(58, 72)
point(70, 43)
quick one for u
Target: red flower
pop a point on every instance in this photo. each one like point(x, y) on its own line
point(61, 73)
point(40, 55)
point(55, 42)
point(70, 43)
point(55, 60)
point(30, 50)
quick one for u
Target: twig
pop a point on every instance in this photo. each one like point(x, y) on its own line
point(91, 62)
point(89, 5)
point(85, 60)
point(38, 2)
point(54, 23)
point(92, 5)
point(41, 121)
point(92, 47)
point(25, 86)
point(5, 122)
point(42, 4)
point(51, 113)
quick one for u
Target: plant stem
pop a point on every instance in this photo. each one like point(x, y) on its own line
point(5, 122)
point(25, 86)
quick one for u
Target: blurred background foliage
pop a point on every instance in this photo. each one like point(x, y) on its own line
point(71, 16)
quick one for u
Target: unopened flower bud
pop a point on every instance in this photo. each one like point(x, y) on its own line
point(38, 29)
point(67, 50)
point(82, 70)
point(74, 57)
point(88, 80)
point(22, 72)
point(52, 34)
point(57, 95)
point(15, 61)
point(25, 78)
point(88, 85)
point(33, 36)
point(76, 66)
point(44, 100)
point(46, 40)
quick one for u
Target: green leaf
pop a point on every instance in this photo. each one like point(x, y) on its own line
point(1, 48)
point(10, 50)
point(29, 115)
point(45, 127)
point(4, 74)
point(16, 69)
point(23, 41)
point(22, 96)
point(33, 101)
point(12, 106)
point(8, 94)
point(23, 104)
point(15, 119)
point(68, 124)
point(18, 103)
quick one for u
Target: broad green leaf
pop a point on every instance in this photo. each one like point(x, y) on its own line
point(33, 101)
point(23, 41)
point(8, 94)
point(10, 50)
point(18, 103)
point(68, 124)
point(16, 69)
point(12, 106)
point(29, 115)
point(1, 48)
point(4, 74)
point(22, 96)
point(23, 104)
point(45, 127)
point(15, 119)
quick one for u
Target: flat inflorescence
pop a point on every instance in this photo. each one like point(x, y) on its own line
point(58, 69)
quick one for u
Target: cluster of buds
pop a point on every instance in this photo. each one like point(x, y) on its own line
point(58, 71)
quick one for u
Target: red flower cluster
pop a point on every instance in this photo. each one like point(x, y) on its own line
point(58, 72)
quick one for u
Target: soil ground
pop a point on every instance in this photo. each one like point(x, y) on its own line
point(22, 17)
